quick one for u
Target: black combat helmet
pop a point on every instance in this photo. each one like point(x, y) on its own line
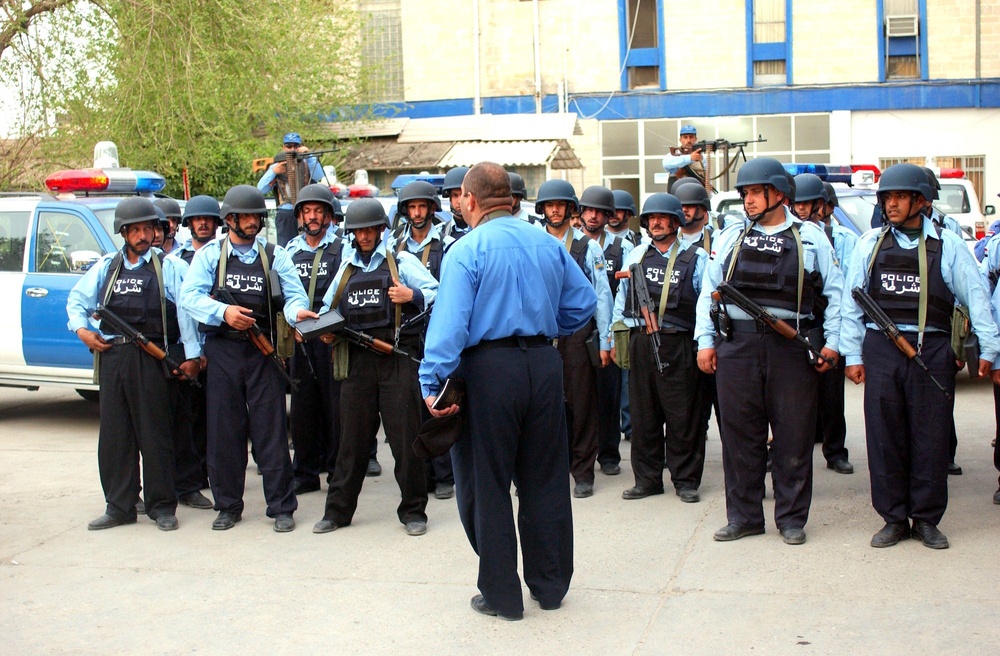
point(169, 206)
point(453, 180)
point(552, 190)
point(662, 203)
point(831, 194)
point(201, 206)
point(315, 193)
point(764, 171)
point(905, 177)
point(598, 197)
point(134, 209)
point(365, 213)
point(418, 190)
point(517, 187)
point(691, 194)
point(808, 186)
point(624, 201)
point(244, 199)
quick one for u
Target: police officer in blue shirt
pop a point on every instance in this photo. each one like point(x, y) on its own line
point(455, 227)
point(201, 218)
point(556, 201)
point(689, 161)
point(916, 272)
point(141, 286)
point(307, 170)
point(811, 201)
point(418, 202)
point(598, 208)
point(618, 225)
point(765, 380)
point(668, 427)
point(246, 390)
point(506, 291)
point(315, 407)
point(376, 291)
point(990, 270)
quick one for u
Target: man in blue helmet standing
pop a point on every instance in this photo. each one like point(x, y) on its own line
point(916, 273)
point(765, 380)
point(276, 178)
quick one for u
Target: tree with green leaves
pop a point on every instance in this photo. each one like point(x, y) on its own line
point(186, 84)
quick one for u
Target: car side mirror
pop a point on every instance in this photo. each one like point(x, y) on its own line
point(990, 210)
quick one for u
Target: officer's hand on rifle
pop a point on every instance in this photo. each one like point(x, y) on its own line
point(696, 155)
point(278, 169)
point(707, 360)
point(829, 360)
point(239, 317)
point(400, 293)
point(856, 373)
point(190, 368)
point(93, 341)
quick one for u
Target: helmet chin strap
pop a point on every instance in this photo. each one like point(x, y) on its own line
point(238, 231)
point(770, 208)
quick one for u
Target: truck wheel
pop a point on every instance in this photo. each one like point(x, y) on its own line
point(89, 395)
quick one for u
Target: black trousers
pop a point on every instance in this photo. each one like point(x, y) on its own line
point(286, 225)
point(908, 422)
point(515, 430)
point(996, 412)
point(378, 387)
point(609, 404)
point(766, 381)
point(667, 426)
point(831, 425)
point(246, 400)
point(135, 419)
point(709, 400)
point(315, 412)
point(580, 379)
point(188, 474)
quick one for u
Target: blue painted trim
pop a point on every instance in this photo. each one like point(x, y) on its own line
point(777, 50)
point(880, 39)
point(644, 57)
point(902, 95)
point(661, 36)
point(924, 67)
point(788, 42)
point(749, 33)
point(623, 42)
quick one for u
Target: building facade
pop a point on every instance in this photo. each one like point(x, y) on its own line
point(852, 81)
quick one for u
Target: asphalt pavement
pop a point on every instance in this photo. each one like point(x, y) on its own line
point(648, 578)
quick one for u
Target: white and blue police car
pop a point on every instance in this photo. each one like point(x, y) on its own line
point(47, 241)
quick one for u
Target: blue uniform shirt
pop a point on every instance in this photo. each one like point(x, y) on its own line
point(817, 255)
point(503, 279)
point(596, 272)
point(701, 259)
point(412, 273)
point(202, 274)
point(415, 247)
point(958, 268)
point(83, 298)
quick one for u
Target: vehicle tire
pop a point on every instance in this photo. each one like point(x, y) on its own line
point(89, 395)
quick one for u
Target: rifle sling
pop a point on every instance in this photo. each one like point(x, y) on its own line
point(115, 269)
point(922, 271)
point(349, 269)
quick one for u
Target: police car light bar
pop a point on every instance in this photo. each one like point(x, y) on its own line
point(406, 178)
point(832, 172)
point(954, 174)
point(106, 180)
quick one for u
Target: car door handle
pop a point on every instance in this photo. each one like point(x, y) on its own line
point(36, 292)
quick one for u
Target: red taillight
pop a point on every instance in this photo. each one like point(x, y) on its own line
point(980, 229)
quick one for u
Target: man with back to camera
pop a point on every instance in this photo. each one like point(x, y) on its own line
point(514, 422)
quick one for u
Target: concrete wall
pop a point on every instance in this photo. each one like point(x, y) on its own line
point(834, 45)
point(705, 44)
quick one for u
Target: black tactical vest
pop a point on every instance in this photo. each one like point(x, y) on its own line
point(895, 284)
point(135, 297)
point(578, 251)
point(365, 302)
point(683, 299)
point(248, 285)
point(328, 266)
point(187, 255)
point(767, 271)
point(613, 262)
point(434, 257)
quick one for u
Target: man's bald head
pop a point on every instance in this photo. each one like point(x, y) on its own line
point(489, 184)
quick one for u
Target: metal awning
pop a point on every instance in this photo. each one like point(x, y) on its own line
point(384, 154)
point(555, 153)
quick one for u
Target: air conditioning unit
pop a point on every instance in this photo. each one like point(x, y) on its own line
point(902, 25)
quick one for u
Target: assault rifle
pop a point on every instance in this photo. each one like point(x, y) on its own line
point(258, 338)
point(118, 325)
point(330, 322)
point(364, 340)
point(723, 145)
point(891, 331)
point(647, 309)
point(780, 326)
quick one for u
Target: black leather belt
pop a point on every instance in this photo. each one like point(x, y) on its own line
point(761, 328)
point(234, 335)
point(119, 341)
point(669, 330)
point(512, 342)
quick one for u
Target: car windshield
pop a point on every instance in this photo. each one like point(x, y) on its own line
point(730, 205)
point(952, 199)
point(859, 209)
point(107, 218)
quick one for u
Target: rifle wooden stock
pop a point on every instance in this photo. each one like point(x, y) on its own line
point(891, 331)
point(124, 328)
point(622, 275)
point(365, 340)
point(760, 313)
point(258, 338)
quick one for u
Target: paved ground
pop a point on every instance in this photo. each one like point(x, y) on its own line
point(649, 578)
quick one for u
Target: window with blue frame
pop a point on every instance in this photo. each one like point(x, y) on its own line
point(902, 42)
point(640, 36)
point(769, 42)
